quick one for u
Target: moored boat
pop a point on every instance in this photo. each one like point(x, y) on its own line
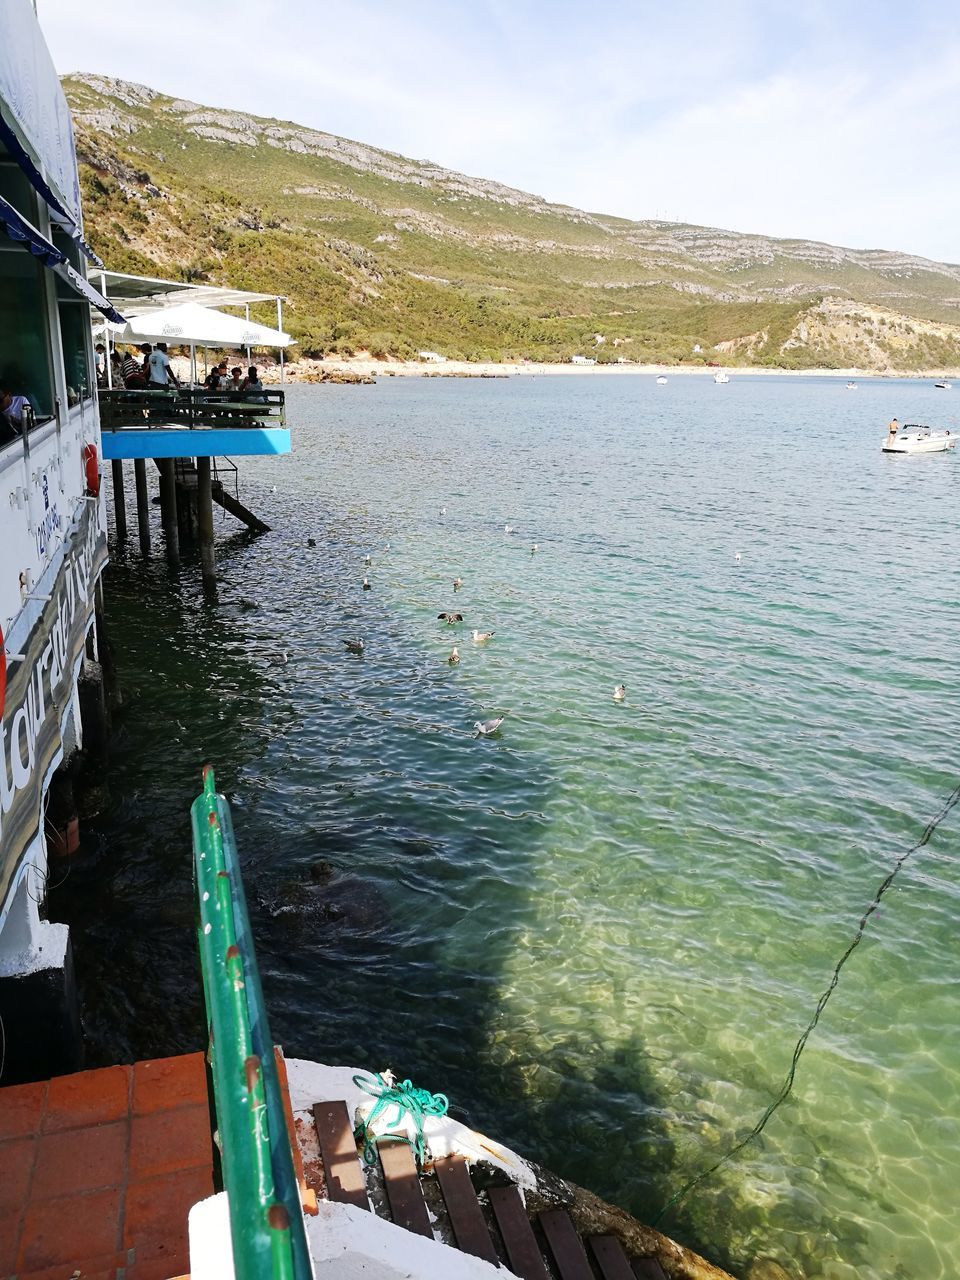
point(661, 381)
point(914, 438)
point(851, 386)
point(721, 377)
point(943, 386)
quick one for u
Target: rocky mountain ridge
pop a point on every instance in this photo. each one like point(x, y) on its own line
point(408, 252)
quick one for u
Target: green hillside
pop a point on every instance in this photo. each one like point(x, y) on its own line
point(388, 255)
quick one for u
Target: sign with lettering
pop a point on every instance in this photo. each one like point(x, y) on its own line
point(37, 688)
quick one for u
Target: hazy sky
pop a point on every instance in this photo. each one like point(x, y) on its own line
point(830, 120)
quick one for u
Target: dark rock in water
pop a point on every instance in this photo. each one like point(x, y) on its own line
point(767, 1269)
point(311, 542)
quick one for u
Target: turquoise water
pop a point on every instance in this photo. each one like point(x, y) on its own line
point(602, 931)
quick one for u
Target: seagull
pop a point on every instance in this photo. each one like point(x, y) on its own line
point(457, 584)
point(450, 618)
point(484, 728)
point(280, 658)
point(366, 584)
point(354, 646)
point(481, 637)
point(367, 560)
point(737, 558)
point(274, 489)
point(454, 656)
point(443, 511)
point(508, 528)
point(619, 693)
point(387, 547)
point(535, 548)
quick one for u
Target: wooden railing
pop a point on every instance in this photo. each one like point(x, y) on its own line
point(126, 408)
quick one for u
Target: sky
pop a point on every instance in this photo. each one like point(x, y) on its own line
point(827, 121)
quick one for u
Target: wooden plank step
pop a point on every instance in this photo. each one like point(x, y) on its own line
point(565, 1245)
point(648, 1269)
point(466, 1216)
point(610, 1257)
point(341, 1165)
point(407, 1205)
point(523, 1252)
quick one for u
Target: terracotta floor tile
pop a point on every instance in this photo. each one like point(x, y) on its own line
point(169, 1140)
point(89, 1097)
point(79, 1230)
point(9, 1235)
point(98, 1269)
point(21, 1108)
point(80, 1160)
point(164, 1083)
point(155, 1217)
point(16, 1166)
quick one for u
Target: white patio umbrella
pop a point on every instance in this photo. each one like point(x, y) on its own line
point(192, 325)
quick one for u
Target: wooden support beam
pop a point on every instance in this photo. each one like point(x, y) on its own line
point(208, 560)
point(143, 504)
point(168, 508)
point(229, 503)
point(119, 499)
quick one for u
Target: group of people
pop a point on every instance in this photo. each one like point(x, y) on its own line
point(148, 367)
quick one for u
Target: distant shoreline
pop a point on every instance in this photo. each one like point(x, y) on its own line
point(311, 370)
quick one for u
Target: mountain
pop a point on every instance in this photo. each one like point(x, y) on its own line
point(380, 253)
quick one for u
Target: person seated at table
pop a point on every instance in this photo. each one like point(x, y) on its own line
point(234, 384)
point(11, 414)
point(131, 371)
point(215, 378)
point(159, 369)
point(252, 388)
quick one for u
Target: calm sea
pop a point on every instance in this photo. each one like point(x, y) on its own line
point(601, 932)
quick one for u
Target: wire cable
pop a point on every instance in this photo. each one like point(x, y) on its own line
point(787, 1086)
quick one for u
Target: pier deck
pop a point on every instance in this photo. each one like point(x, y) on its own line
point(98, 1171)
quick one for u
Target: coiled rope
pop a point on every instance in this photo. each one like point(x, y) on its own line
point(787, 1085)
point(419, 1103)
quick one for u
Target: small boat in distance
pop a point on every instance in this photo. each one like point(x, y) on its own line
point(661, 381)
point(914, 438)
point(943, 386)
point(851, 386)
point(721, 377)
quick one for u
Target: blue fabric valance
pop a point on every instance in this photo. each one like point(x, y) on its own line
point(14, 225)
point(58, 213)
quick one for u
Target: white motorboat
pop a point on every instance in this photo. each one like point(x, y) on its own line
point(661, 381)
point(851, 386)
point(913, 438)
point(721, 376)
point(943, 386)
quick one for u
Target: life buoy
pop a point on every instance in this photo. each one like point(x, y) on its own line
point(91, 470)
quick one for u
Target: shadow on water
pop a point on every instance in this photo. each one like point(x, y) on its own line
point(371, 841)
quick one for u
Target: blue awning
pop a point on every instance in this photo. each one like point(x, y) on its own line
point(21, 231)
point(36, 179)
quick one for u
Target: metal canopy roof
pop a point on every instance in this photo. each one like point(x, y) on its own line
point(144, 293)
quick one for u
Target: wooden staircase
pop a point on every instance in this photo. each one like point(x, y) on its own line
point(443, 1203)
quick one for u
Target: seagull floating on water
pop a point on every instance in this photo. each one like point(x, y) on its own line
point(484, 728)
point(535, 548)
point(454, 656)
point(481, 637)
point(366, 584)
point(354, 646)
point(443, 511)
point(367, 559)
point(450, 618)
point(457, 584)
point(508, 528)
point(619, 693)
point(737, 558)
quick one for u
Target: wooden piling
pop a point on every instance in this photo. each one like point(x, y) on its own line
point(168, 508)
point(208, 562)
point(119, 499)
point(143, 504)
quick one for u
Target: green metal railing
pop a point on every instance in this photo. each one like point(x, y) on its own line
point(266, 1220)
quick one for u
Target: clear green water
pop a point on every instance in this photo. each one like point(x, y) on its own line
point(602, 932)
